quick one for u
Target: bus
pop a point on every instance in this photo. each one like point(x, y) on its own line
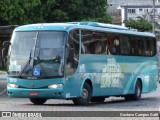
point(80, 61)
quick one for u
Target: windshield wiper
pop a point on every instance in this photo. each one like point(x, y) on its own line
point(26, 64)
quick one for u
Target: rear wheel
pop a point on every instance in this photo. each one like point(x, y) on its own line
point(38, 101)
point(86, 96)
point(97, 99)
point(137, 94)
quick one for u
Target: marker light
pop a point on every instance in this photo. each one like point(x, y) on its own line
point(12, 85)
point(55, 86)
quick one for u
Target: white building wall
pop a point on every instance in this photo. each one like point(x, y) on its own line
point(134, 13)
point(113, 4)
point(123, 17)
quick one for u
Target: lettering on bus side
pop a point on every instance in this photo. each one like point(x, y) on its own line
point(111, 74)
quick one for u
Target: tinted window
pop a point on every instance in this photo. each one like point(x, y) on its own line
point(94, 42)
point(125, 45)
point(114, 44)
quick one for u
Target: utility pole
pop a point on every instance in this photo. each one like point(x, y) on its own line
point(153, 19)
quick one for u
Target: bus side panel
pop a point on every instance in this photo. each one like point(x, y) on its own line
point(73, 85)
point(150, 78)
point(112, 78)
point(143, 68)
point(92, 66)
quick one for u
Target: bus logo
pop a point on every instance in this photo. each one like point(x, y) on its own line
point(111, 74)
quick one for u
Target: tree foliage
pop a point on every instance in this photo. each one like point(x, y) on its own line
point(33, 11)
point(141, 25)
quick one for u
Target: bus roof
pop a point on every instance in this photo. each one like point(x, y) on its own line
point(96, 24)
point(81, 25)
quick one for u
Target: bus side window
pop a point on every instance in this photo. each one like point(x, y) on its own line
point(149, 47)
point(125, 45)
point(115, 45)
point(86, 47)
point(93, 42)
point(97, 47)
point(134, 46)
point(152, 46)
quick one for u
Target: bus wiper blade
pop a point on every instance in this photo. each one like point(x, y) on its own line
point(26, 64)
point(38, 58)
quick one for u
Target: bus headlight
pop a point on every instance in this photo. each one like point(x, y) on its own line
point(12, 85)
point(55, 86)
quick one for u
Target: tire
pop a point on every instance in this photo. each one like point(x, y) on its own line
point(38, 101)
point(137, 94)
point(97, 99)
point(86, 96)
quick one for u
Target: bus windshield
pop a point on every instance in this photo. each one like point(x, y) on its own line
point(37, 53)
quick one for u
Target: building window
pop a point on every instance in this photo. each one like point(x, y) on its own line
point(140, 10)
point(131, 11)
point(145, 10)
point(156, 10)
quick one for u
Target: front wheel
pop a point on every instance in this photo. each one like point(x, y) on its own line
point(86, 96)
point(137, 94)
point(38, 101)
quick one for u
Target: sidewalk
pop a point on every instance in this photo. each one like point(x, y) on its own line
point(3, 84)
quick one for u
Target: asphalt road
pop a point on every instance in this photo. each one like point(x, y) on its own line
point(149, 102)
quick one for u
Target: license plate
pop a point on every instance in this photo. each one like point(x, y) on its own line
point(33, 93)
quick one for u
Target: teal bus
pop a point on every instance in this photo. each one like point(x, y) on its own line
point(80, 61)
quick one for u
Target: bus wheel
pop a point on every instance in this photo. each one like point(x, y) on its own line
point(86, 96)
point(38, 101)
point(97, 99)
point(137, 94)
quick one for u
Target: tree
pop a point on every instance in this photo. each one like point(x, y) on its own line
point(33, 11)
point(142, 24)
point(16, 11)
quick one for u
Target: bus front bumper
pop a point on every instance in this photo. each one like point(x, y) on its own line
point(36, 93)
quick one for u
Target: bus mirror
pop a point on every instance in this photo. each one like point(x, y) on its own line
point(71, 55)
point(6, 43)
point(3, 52)
point(3, 57)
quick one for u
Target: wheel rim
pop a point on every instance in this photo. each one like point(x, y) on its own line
point(84, 94)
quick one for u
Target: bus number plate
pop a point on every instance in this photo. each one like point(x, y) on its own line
point(33, 93)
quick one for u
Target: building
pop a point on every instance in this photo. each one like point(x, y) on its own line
point(139, 11)
point(123, 10)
